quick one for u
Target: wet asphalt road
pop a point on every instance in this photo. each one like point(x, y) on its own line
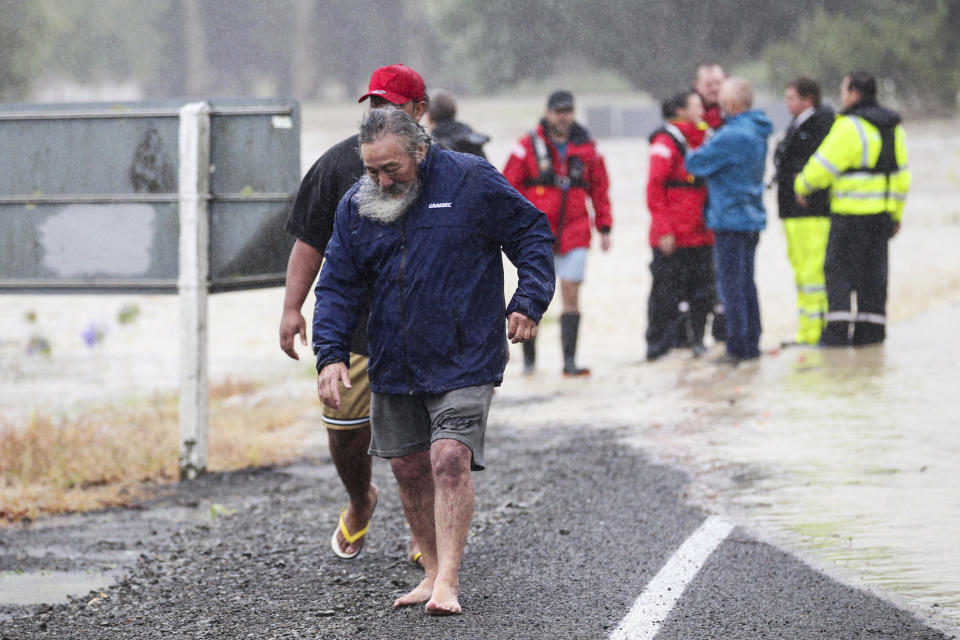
point(569, 531)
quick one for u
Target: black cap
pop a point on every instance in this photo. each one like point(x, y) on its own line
point(561, 99)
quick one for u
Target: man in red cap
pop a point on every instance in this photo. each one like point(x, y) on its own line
point(311, 222)
point(397, 85)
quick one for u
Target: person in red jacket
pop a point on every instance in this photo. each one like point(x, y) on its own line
point(558, 168)
point(682, 292)
point(709, 77)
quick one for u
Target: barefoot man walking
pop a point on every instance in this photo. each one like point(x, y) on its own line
point(420, 237)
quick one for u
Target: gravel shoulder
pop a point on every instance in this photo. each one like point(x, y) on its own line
point(569, 528)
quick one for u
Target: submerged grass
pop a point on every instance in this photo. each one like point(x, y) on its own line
point(113, 455)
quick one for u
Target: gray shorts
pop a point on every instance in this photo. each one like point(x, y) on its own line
point(405, 424)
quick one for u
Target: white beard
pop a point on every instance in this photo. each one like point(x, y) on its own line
point(385, 206)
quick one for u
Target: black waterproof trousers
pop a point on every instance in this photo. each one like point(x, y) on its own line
point(681, 296)
point(856, 266)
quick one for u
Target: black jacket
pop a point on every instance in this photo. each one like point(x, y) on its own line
point(458, 136)
point(791, 156)
point(311, 218)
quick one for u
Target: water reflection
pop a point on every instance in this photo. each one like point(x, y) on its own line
point(857, 453)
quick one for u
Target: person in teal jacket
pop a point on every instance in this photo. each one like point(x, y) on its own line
point(733, 164)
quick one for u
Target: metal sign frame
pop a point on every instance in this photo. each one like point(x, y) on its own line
point(195, 203)
point(227, 200)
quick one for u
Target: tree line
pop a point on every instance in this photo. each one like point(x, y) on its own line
point(325, 48)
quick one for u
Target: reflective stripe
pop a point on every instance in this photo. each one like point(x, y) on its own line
point(872, 318)
point(811, 288)
point(865, 159)
point(839, 316)
point(806, 185)
point(813, 315)
point(829, 166)
point(675, 133)
point(858, 195)
point(865, 175)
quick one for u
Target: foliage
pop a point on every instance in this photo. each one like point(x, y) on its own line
point(104, 39)
point(20, 38)
point(328, 47)
point(655, 44)
point(498, 52)
point(912, 46)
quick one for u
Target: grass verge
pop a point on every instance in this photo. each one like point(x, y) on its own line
point(115, 455)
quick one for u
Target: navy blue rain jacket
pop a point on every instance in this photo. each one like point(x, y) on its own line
point(435, 279)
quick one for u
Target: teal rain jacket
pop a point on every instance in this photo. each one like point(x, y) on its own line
point(733, 163)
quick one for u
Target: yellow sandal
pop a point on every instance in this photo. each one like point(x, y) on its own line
point(349, 537)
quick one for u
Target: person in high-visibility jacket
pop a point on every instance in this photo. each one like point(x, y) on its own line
point(863, 161)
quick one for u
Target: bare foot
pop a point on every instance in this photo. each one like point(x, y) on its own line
point(419, 595)
point(444, 601)
point(356, 520)
point(413, 553)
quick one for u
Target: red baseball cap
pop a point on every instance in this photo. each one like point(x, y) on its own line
point(396, 83)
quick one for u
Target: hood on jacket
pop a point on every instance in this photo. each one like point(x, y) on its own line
point(578, 133)
point(694, 133)
point(754, 119)
point(876, 115)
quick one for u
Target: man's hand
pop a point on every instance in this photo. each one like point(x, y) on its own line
point(801, 200)
point(302, 269)
point(895, 229)
point(667, 244)
point(605, 241)
point(291, 324)
point(328, 383)
point(520, 328)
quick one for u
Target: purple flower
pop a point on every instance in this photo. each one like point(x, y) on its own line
point(38, 345)
point(93, 334)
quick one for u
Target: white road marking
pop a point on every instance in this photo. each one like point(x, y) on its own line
point(654, 604)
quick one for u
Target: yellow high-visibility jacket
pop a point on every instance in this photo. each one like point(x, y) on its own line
point(845, 163)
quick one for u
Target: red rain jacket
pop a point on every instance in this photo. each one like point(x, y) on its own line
point(713, 116)
point(522, 172)
point(675, 198)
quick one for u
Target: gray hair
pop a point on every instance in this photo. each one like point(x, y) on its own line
point(740, 91)
point(377, 123)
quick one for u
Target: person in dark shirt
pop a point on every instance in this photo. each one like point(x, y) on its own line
point(450, 133)
point(311, 222)
point(806, 227)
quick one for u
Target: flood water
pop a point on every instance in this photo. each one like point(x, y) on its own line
point(852, 452)
point(53, 587)
point(849, 457)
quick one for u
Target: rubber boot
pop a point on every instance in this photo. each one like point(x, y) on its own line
point(529, 356)
point(569, 328)
point(719, 328)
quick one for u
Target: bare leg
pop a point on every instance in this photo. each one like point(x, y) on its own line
point(570, 296)
point(354, 466)
point(416, 489)
point(453, 511)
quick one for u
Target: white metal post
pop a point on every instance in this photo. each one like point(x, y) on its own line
point(194, 193)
